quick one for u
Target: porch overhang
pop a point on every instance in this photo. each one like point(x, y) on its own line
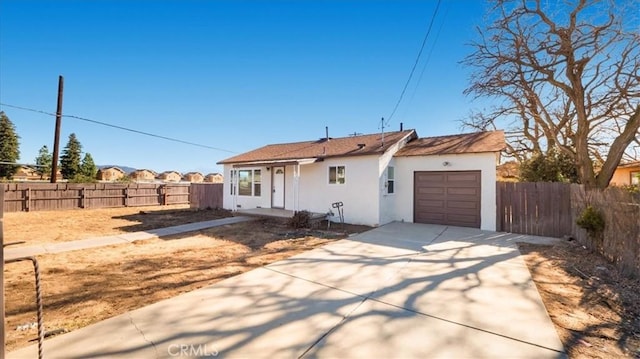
point(302, 161)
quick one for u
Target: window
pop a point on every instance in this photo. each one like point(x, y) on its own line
point(336, 175)
point(635, 177)
point(256, 183)
point(249, 183)
point(391, 179)
point(232, 182)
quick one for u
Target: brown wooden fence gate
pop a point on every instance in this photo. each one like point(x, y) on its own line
point(542, 209)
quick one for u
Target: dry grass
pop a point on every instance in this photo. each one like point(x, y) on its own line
point(596, 310)
point(61, 226)
point(84, 287)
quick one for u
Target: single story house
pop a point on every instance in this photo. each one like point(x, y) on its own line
point(170, 176)
point(379, 178)
point(26, 173)
point(143, 175)
point(193, 177)
point(214, 178)
point(626, 174)
point(110, 174)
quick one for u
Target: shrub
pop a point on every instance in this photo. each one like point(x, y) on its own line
point(301, 219)
point(592, 220)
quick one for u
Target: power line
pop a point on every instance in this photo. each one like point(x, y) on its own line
point(413, 69)
point(426, 62)
point(120, 128)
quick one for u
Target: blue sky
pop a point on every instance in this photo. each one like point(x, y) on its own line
point(234, 75)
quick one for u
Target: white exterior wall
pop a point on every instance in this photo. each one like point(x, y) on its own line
point(387, 202)
point(484, 162)
point(247, 202)
point(359, 193)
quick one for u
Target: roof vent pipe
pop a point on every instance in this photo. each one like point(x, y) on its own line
point(326, 131)
point(400, 126)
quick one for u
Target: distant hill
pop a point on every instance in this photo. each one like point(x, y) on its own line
point(126, 169)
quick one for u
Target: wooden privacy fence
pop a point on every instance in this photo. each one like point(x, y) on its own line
point(620, 240)
point(206, 195)
point(60, 196)
point(552, 209)
point(536, 208)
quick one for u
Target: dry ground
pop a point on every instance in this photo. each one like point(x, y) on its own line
point(60, 226)
point(84, 287)
point(596, 311)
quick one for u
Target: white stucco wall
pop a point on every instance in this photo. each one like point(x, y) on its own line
point(246, 202)
point(484, 162)
point(387, 201)
point(359, 193)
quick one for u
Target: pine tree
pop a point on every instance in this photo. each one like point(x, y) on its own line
point(9, 147)
point(44, 162)
point(88, 167)
point(70, 159)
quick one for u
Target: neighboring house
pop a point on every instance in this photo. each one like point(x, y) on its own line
point(379, 178)
point(508, 171)
point(26, 173)
point(110, 174)
point(143, 175)
point(170, 176)
point(193, 177)
point(214, 178)
point(626, 174)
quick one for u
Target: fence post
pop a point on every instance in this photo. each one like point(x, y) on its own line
point(3, 326)
point(28, 199)
point(126, 196)
point(82, 201)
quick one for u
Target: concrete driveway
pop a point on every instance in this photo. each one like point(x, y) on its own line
point(399, 291)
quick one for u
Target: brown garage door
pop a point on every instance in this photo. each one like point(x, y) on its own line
point(451, 198)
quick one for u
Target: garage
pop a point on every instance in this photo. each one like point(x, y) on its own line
point(447, 197)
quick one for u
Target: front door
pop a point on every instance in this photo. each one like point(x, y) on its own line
point(277, 195)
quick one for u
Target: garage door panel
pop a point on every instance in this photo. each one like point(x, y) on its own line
point(462, 205)
point(432, 177)
point(431, 191)
point(449, 198)
point(434, 218)
point(461, 177)
point(463, 191)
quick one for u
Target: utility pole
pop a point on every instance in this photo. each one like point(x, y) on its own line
point(56, 136)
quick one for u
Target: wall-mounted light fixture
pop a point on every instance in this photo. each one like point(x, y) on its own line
point(446, 163)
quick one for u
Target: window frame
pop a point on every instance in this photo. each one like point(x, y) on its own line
point(254, 187)
point(337, 177)
point(634, 178)
point(390, 180)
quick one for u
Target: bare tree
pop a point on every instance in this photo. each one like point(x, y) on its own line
point(565, 75)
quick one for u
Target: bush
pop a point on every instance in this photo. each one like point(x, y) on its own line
point(592, 220)
point(550, 167)
point(301, 219)
point(80, 178)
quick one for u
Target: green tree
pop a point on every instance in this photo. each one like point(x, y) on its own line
point(70, 159)
point(44, 162)
point(9, 147)
point(88, 167)
point(549, 167)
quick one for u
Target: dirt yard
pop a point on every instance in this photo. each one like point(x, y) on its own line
point(595, 310)
point(60, 226)
point(84, 287)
